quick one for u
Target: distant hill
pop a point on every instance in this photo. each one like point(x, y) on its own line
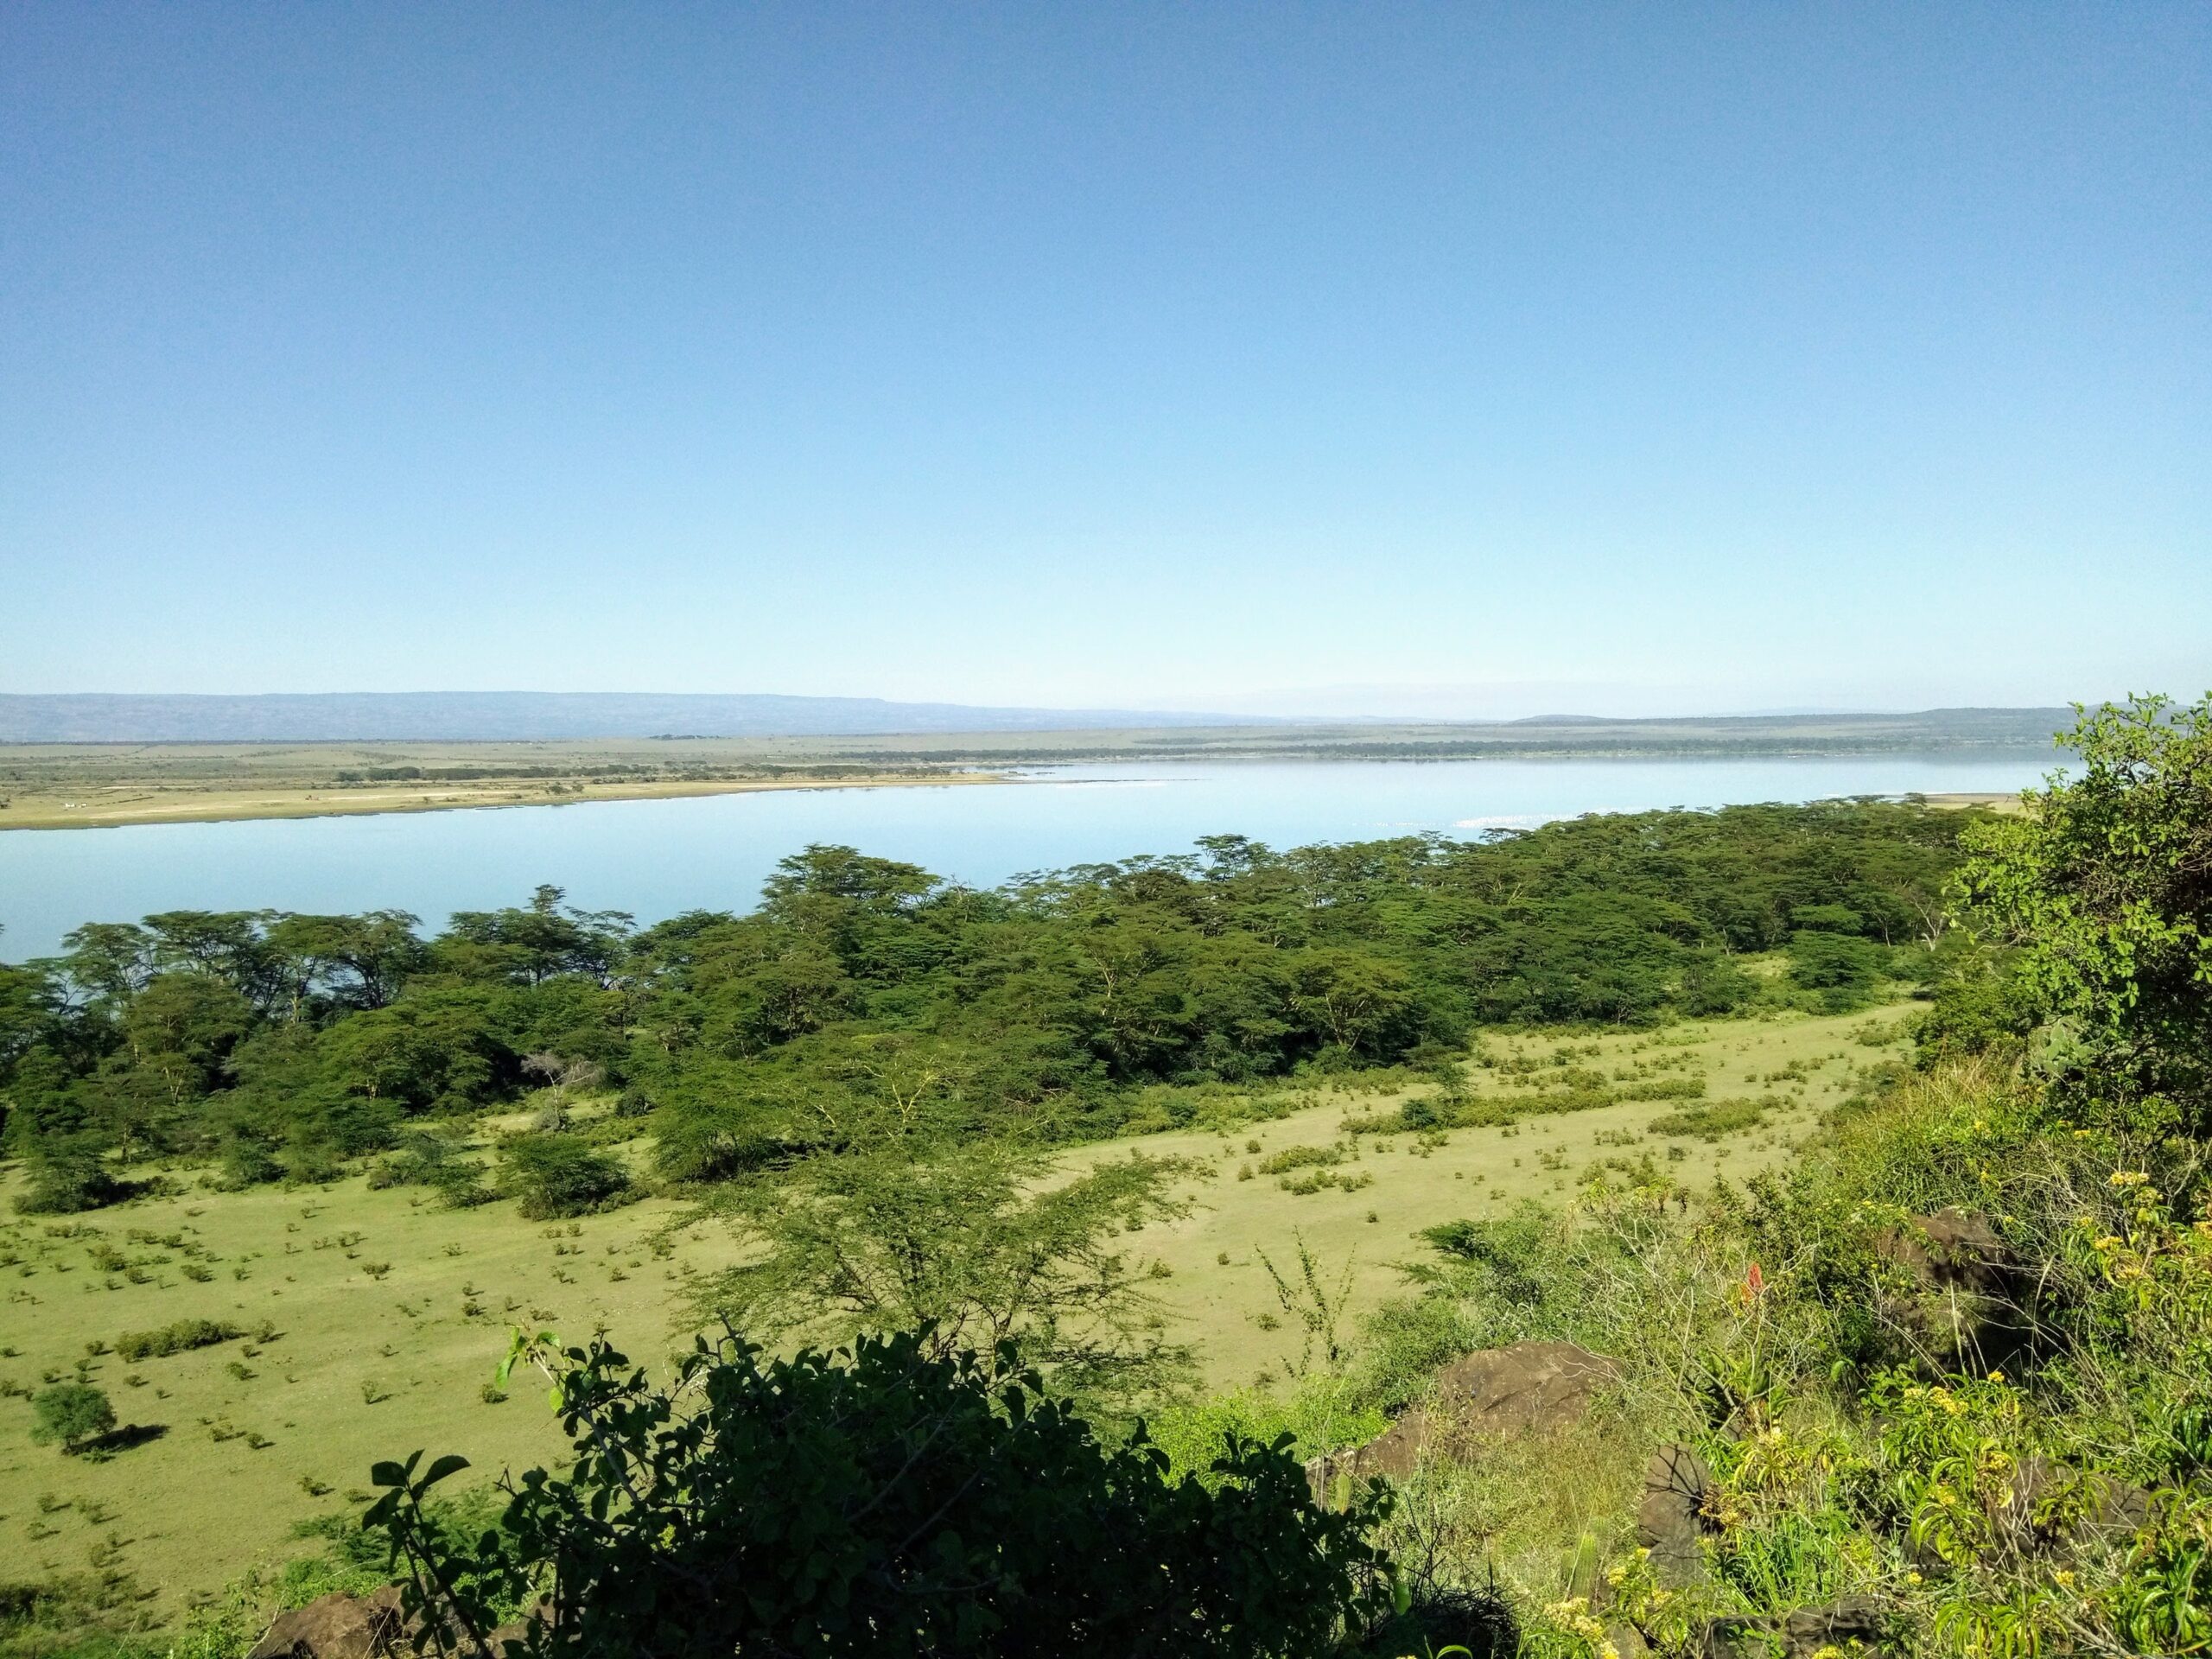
point(1012, 735)
point(462, 716)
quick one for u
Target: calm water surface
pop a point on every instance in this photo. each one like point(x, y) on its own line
point(656, 858)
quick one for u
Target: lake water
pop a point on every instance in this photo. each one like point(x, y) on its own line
point(656, 858)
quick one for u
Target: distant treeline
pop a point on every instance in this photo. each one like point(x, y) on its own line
point(1057, 1006)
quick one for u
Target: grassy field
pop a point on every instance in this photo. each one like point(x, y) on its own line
point(371, 1321)
point(1400, 1183)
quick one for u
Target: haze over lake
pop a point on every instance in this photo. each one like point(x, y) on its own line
point(655, 858)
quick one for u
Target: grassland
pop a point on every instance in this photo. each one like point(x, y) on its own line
point(373, 1320)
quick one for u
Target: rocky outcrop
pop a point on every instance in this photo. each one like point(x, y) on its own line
point(336, 1627)
point(1527, 1388)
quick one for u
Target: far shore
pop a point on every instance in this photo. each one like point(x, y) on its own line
point(115, 806)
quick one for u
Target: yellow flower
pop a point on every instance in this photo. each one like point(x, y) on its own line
point(1913, 1578)
point(1996, 1376)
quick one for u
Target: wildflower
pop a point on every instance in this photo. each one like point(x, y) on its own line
point(1997, 1377)
point(2128, 1178)
point(1913, 1578)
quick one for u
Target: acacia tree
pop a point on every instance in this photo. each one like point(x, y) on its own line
point(976, 1247)
point(72, 1413)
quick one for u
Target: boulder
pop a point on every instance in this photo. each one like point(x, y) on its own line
point(2050, 1507)
point(1853, 1624)
point(1673, 1514)
point(338, 1626)
point(1528, 1388)
point(1966, 1306)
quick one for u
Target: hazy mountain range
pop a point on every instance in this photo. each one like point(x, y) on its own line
point(463, 716)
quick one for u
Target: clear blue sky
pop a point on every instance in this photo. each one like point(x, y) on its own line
point(1358, 357)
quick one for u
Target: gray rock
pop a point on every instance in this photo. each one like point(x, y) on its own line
point(1672, 1517)
point(1527, 1388)
point(338, 1626)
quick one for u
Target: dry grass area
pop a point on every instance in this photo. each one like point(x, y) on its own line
point(373, 1320)
point(65, 786)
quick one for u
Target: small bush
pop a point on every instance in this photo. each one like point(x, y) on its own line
point(1711, 1122)
point(176, 1338)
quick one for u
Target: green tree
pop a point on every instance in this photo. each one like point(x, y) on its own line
point(72, 1413)
point(882, 1502)
point(2103, 886)
point(974, 1245)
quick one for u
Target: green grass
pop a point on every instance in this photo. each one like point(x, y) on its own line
point(371, 1321)
point(1420, 1180)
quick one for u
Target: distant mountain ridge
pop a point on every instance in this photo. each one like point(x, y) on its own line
point(463, 716)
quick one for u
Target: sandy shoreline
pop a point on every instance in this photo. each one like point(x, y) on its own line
point(116, 805)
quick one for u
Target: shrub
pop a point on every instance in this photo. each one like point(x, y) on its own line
point(68, 1174)
point(1711, 1122)
point(823, 1500)
point(174, 1339)
point(557, 1175)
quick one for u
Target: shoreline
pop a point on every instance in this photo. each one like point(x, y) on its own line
point(159, 806)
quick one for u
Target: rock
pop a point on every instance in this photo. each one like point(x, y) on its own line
point(1966, 1309)
point(1672, 1517)
point(1528, 1388)
point(2049, 1506)
point(518, 1633)
point(1854, 1618)
point(1853, 1624)
point(338, 1626)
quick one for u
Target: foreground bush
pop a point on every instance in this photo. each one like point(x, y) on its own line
point(879, 1502)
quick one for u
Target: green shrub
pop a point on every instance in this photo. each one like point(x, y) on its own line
point(1712, 1121)
point(174, 1339)
point(821, 1500)
point(557, 1175)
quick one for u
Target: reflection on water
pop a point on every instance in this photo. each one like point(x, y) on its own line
point(656, 858)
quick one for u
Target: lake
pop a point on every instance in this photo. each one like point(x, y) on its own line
point(656, 858)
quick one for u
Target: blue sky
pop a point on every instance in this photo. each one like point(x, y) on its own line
point(1347, 358)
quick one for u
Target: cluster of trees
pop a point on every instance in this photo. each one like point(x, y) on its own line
point(864, 990)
